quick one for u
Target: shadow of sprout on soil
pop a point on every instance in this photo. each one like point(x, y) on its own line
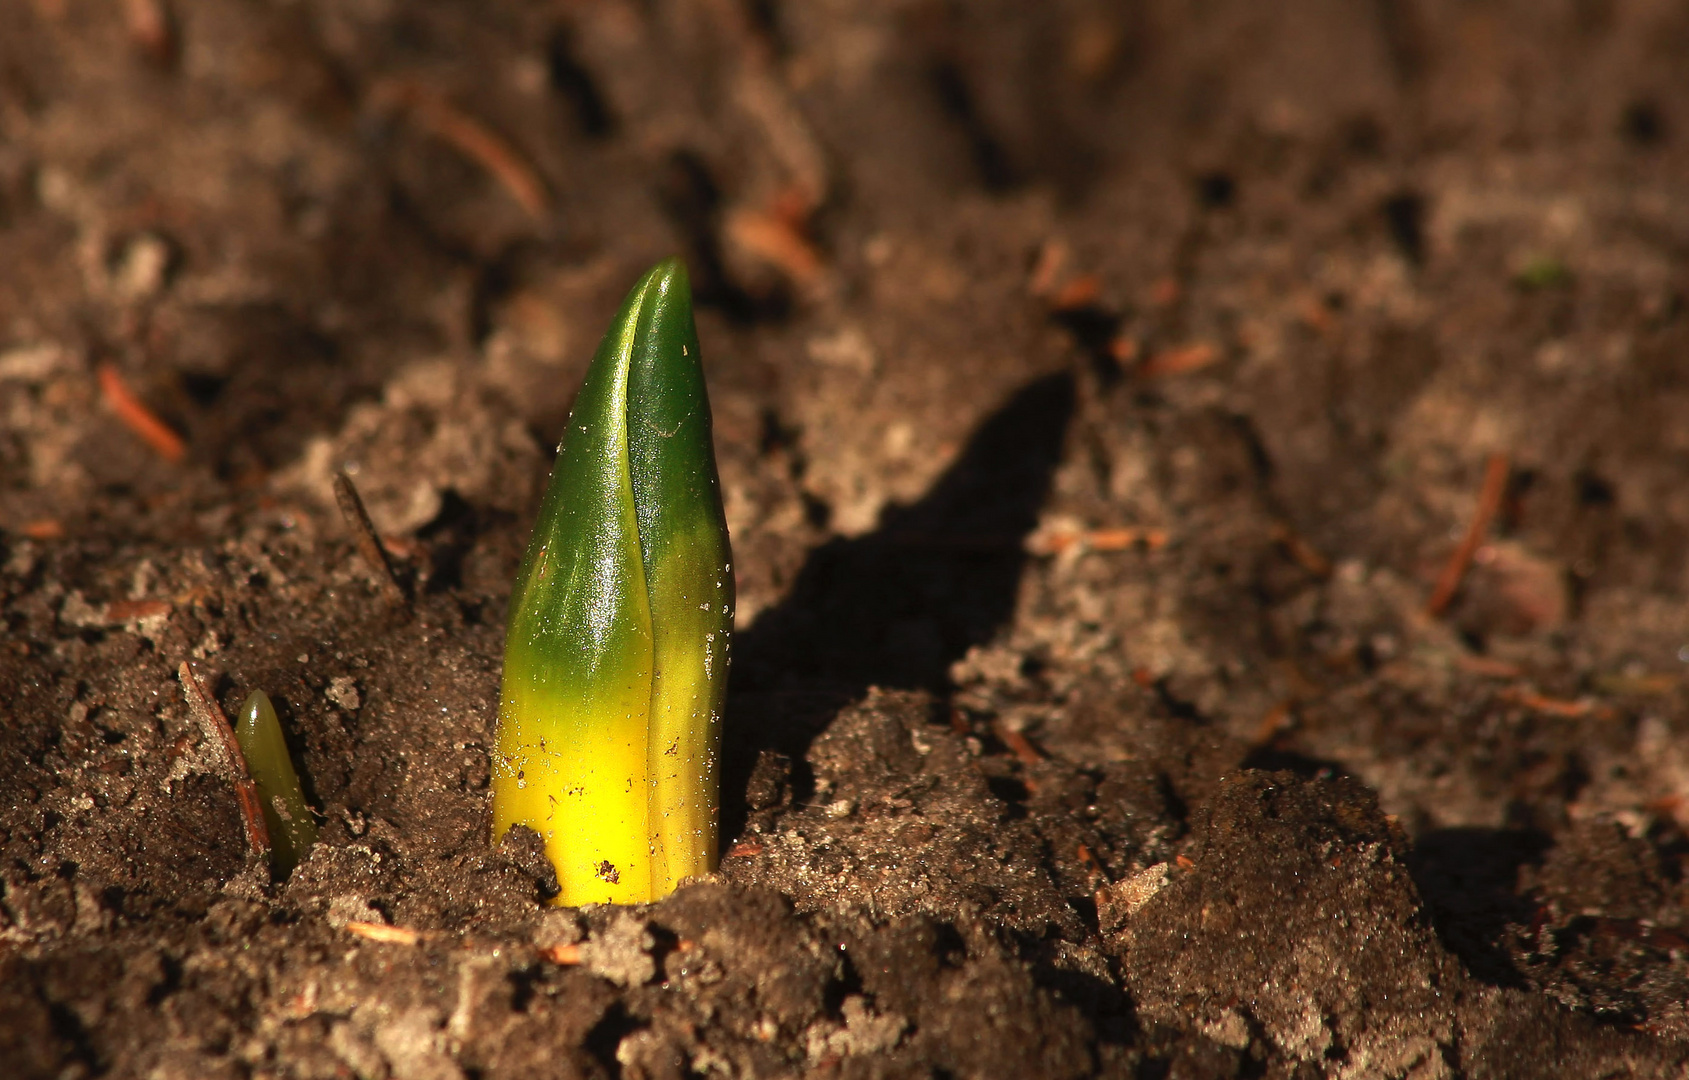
point(895, 607)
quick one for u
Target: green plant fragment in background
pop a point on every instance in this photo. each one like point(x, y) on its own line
point(1543, 272)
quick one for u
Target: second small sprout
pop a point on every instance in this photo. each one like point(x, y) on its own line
point(287, 816)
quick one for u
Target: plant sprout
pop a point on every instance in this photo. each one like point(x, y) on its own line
point(292, 829)
point(615, 663)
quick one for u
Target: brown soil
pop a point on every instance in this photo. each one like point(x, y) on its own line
point(1101, 389)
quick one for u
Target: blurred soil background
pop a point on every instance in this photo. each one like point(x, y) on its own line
point(1210, 490)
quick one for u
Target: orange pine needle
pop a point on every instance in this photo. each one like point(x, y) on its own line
point(1123, 539)
point(774, 239)
point(149, 25)
point(1020, 745)
point(1489, 500)
point(1179, 361)
point(1092, 865)
point(1078, 293)
point(1306, 555)
point(140, 419)
point(1530, 699)
point(472, 139)
point(1277, 719)
point(566, 955)
point(124, 610)
point(1052, 258)
point(1488, 667)
point(392, 935)
point(1119, 538)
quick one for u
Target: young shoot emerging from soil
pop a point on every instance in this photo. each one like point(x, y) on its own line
point(615, 661)
point(292, 829)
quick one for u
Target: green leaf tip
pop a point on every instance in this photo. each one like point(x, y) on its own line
point(292, 829)
point(616, 657)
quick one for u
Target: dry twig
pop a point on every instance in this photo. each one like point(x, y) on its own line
point(211, 718)
point(364, 535)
